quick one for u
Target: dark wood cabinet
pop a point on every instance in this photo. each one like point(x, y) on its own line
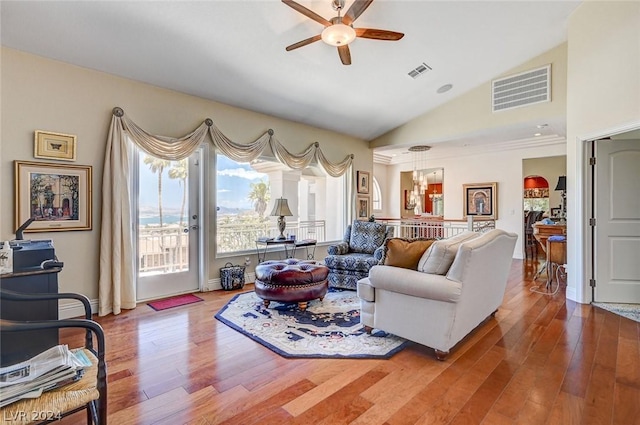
point(19, 346)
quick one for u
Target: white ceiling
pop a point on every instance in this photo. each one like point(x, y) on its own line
point(234, 51)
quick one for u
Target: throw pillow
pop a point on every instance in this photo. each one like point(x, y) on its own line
point(440, 255)
point(405, 253)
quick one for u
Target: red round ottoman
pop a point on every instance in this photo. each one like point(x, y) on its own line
point(291, 281)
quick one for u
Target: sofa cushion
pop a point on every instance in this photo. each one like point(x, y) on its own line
point(405, 253)
point(439, 257)
point(366, 236)
point(414, 283)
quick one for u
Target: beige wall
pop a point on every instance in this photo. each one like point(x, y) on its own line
point(471, 111)
point(41, 94)
point(603, 97)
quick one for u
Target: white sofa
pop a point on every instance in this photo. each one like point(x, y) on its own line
point(439, 310)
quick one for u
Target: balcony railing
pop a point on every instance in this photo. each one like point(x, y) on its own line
point(163, 249)
point(242, 237)
point(436, 228)
point(166, 249)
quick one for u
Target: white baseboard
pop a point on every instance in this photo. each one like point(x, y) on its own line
point(571, 294)
point(76, 309)
point(216, 284)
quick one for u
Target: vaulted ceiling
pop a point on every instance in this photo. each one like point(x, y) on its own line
point(234, 51)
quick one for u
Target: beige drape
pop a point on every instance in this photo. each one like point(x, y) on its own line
point(117, 289)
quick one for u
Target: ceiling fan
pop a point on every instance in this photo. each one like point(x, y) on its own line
point(339, 31)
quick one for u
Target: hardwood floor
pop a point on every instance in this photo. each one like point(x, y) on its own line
point(541, 360)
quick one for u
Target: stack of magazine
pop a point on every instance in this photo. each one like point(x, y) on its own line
point(50, 369)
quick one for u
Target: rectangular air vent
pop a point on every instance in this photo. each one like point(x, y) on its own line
point(419, 70)
point(522, 89)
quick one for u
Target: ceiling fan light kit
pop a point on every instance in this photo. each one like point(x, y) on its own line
point(339, 31)
point(338, 35)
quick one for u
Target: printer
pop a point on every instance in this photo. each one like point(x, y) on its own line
point(30, 255)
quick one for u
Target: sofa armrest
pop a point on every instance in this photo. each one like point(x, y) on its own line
point(415, 283)
point(379, 254)
point(340, 249)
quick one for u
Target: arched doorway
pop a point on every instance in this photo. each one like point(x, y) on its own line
point(536, 204)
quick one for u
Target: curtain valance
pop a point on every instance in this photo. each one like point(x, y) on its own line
point(174, 149)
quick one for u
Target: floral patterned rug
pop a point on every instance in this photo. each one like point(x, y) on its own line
point(630, 311)
point(327, 329)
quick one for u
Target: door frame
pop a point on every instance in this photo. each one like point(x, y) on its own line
point(581, 257)
point(203, 214)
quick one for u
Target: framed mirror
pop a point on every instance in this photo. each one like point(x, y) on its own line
point(422, 192)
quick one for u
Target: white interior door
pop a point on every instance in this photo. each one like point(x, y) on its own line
point(168, 230)
point(617, 213)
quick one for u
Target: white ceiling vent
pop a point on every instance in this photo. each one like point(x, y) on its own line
point(522, 89)
point(419, 70)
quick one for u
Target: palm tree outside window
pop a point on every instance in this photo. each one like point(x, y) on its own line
point(244, 195)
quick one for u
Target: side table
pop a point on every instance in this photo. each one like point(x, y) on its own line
point(290, 246)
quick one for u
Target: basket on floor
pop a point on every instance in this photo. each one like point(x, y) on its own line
point(232, 277)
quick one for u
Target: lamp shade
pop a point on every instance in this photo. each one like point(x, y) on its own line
point(281, 208)
point(338, 35)
point(562, 183)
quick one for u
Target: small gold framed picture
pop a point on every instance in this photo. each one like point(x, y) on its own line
point(50, 145)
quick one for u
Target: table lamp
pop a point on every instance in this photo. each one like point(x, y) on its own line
point(280, 210)
point(562, 186)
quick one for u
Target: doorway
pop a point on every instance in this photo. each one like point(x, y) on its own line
point(546, 201)
point(167, 212)
point(616, 210)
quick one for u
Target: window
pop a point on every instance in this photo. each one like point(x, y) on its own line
point(536, 204)
point(244, 199)
point(377, 196)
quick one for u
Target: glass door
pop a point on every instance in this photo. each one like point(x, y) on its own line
point(168, 230)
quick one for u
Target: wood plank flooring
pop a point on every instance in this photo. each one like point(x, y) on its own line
point(541, 360)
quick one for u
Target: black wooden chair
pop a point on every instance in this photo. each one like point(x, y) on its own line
point(90, 392)
point(531, 245)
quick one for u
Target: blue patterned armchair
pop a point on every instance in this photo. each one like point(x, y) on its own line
point(362, 248)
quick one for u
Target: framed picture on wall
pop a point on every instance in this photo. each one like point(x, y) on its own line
point(56, 196)
point(362, 206)
point(50, 145)
point(480, 199)
point(363, 181)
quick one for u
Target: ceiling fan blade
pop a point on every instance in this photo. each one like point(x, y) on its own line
point(378, 34)
point(345, 54)
point(306, 12)
point(355, 10)
point(304, 42)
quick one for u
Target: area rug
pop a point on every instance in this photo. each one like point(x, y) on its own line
point(630, 311)
point(327, 329)
point(174, 302)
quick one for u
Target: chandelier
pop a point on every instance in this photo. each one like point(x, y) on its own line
point(418, 177)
